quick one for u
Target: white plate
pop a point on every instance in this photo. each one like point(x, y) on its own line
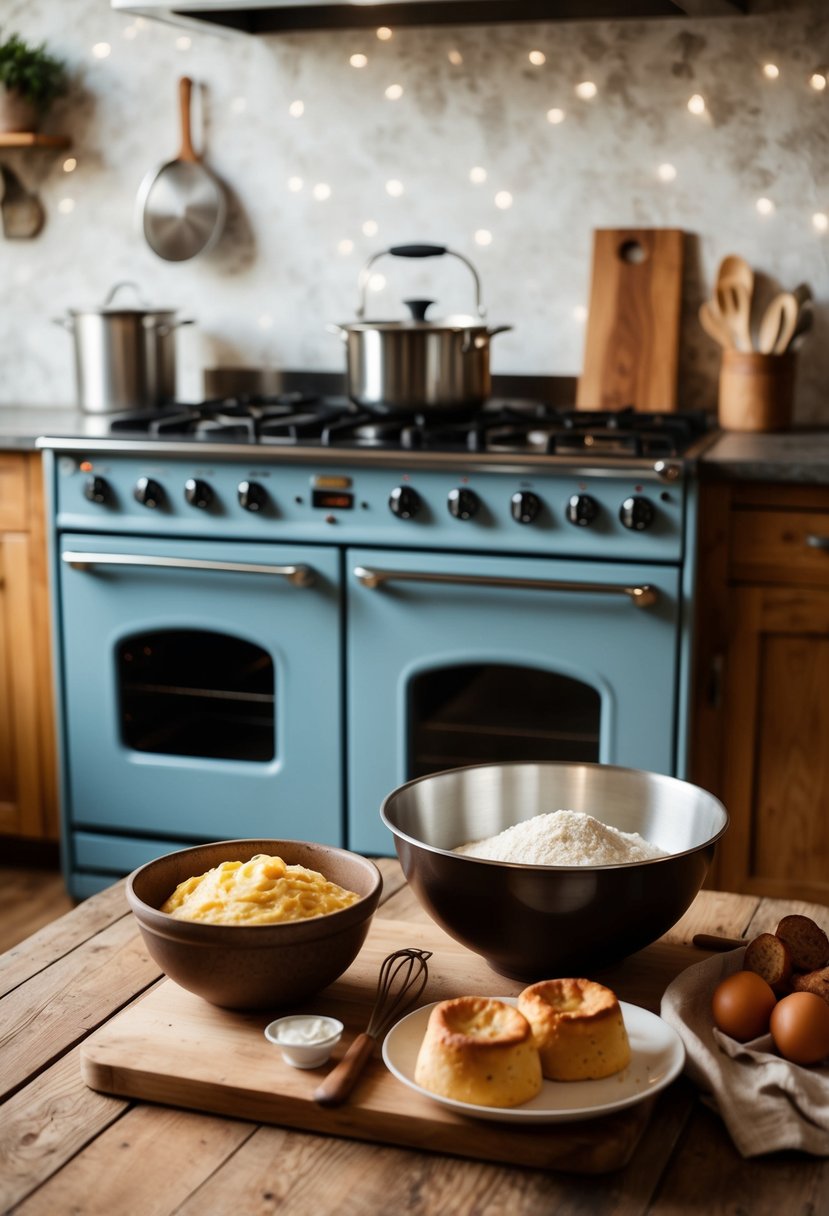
point(657, 1058)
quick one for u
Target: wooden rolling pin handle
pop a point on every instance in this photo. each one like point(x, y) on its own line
point(339, 1083)
point(706, 941)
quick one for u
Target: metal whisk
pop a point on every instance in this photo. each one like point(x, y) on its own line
point(403, 976)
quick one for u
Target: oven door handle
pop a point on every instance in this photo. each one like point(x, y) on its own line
point(300, 576)
point(643, 596)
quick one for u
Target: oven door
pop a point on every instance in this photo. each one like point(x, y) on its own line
point(456, 660)
point(199, 692)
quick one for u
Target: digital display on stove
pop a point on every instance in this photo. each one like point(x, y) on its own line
point(332, 500)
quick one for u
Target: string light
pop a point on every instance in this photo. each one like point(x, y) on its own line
point(503, 200)
point(183, 43)
point(295, 184)
point(818, 80)
point(394, 92)
point(345, 247)
point(384, 33)
point(537, 58)
point(130, 31)
point(586, 90)
point(376, 282)
point(771, 71)
point(321, 191)
point(764, 206)
point(394, 188)
point(580, 313)
point(296, 109)
point(483, 237)
point(455, 58)
point(370, 228)
point(666, 173)
point(66, 206)
point(555, 115)
point(101, 50)
point(820, 221)
point(265, 321)
point(70, 164)
point(359, 60)
point(477, 175)
point(696, 104)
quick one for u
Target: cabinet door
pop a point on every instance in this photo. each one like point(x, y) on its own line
point(776, 762)
point(21, 802)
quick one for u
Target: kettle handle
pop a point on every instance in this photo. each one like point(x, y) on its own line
point(416, 251)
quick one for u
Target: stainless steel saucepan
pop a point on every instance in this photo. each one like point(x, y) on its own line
point(418, 364)
point(125, 357)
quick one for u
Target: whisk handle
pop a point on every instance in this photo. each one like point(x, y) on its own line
point(339, 1083)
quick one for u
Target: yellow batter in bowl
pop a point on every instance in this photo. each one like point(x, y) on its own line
point(262, 891)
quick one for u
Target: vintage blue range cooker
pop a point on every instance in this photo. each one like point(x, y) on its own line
point(271, 611)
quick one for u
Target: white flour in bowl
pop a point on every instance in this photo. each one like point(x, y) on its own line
point(563, 838)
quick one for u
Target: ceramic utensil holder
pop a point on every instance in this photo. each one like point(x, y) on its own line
point(756, 391)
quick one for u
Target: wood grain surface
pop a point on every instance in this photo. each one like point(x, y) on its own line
point(174, 1048)
point(631, 350)
point(66, 1148)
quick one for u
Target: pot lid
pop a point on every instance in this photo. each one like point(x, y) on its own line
point(110, 309)
point(419, 321)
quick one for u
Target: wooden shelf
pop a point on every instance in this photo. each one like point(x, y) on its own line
point(31, 139)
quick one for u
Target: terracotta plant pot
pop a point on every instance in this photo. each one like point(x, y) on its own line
point(17, 113)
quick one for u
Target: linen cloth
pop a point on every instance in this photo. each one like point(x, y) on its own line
point(766, 1103)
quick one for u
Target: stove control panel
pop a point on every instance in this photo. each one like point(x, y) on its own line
point(543, 510)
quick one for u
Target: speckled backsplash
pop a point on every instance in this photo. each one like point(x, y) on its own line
point(473, 137)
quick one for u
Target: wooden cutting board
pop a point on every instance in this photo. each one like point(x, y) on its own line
point(632, 345)
point(174, 1048)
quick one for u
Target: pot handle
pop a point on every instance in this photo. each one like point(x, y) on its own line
point(113, 291)
point(481, 341)
point(64, 323)
point(166, 327)
point(416, 251)
point(339, 330)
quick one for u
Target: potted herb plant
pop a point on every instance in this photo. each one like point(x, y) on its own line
point(30, 80)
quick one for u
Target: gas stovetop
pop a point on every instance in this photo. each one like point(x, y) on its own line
point(500, 426)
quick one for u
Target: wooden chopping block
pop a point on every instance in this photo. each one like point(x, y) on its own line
point(632, 345)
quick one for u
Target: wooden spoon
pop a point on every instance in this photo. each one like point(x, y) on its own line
point(734, 269)
point(713, 323)
point(779, 323)
point(734, 302)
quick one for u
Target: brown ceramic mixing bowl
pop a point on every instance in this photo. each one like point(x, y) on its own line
point(254, 966)
point(536, 922)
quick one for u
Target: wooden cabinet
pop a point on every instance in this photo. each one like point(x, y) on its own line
point(28, 783)
point(761, 737)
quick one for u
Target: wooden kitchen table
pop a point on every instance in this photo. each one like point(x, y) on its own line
point(65, 1148)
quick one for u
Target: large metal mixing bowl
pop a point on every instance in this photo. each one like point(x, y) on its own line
point(539, 922)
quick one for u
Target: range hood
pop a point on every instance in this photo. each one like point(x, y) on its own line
point(279, 16)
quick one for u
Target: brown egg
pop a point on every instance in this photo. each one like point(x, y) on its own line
point(800, 1028)
point(742, 1005)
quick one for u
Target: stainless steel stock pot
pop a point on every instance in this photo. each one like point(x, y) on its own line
point(125, 357)
point(416, 363)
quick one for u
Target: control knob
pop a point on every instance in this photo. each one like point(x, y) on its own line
point(252, 495)
point(463, 504)
point(581, 510)
point(97, 489)
point(637, 513)
point(524, 506)
point(148, 492)
point(404, 502)
point(198, 493)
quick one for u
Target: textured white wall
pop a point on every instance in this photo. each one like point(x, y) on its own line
point(471, 98)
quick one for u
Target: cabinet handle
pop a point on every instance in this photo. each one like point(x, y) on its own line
point(818, 542)
point(300, 576)
point(642, 596)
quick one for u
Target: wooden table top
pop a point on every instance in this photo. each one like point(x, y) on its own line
point(66, 1148)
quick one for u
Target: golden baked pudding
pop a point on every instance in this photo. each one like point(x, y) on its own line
point(479, 1050)
point(577, 1027)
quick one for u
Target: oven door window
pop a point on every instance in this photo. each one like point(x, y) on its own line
point(196, 693)
point(473, 714)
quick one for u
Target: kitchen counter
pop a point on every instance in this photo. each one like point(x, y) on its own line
point(69, 1148)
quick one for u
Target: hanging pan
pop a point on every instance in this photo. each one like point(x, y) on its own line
point(181, 205)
